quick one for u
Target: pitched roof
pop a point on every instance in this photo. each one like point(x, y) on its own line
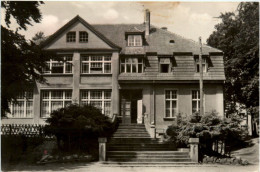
point(158, 40)
point(90, 27)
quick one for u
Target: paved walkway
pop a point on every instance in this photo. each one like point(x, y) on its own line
point(96, 167)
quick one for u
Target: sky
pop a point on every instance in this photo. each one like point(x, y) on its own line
point(188, 19)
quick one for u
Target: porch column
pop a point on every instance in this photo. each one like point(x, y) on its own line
point(115, 85)
point(76, 77)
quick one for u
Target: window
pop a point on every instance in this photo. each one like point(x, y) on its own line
point(204, 64)
point(134, 40)
point(165, 65)
point(101, 99)
point(83, 37)
point(131, 65)
point(53, 100)
point(195, 101)
point(71, 37)
point(23, 108)
point(95, 64)
point(59, 67)
point(170, 103)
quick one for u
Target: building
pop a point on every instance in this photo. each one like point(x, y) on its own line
point(140, 72)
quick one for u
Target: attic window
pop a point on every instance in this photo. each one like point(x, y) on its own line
point(135, 40)
point(71, 37)
point(204, 64)
point(165, 65)
point(83, 36)
point(172, 41)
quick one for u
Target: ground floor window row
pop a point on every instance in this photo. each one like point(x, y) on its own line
point(171, 102)
point(54, 99)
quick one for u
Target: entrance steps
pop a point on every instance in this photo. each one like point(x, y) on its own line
point(131, 145)
point(131, 131)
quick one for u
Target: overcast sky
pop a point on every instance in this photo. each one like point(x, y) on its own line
point(188, 19)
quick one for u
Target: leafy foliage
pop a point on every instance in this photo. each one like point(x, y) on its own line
point(238, 37)
point(208, 128)
point(22, 60)
point(75, 126)
point(22, 11)
point(22, 64)
point(39, 37)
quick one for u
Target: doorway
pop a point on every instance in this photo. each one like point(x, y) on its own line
point(129, 107)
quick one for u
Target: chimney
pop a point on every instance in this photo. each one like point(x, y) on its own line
point(147, 22)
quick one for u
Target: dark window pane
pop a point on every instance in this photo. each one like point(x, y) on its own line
point(57, 67)
point(107, 68)
point(83, 37)
point(71, 37)
point(128, 68)
point(164, 68)
point(122, 68)
point(134, 68)
point(140, 68)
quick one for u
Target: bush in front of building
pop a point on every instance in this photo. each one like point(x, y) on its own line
point(77, 128)
point(216, 135)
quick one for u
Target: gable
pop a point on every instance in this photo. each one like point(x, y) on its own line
point(94, 42)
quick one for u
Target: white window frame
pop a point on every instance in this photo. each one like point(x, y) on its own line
point(64, 64)
point(69, 39)
point(204, 63)
point(132, 41)
point(197, 100)
point(102, 99)
point(25, 99)
point(89, 61)
point(131, 64)
point(171, 99)
point(50, 100)
point(83, 39)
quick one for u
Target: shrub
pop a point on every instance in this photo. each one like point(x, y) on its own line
point(78, 127)
point(16, 148)
point(210, 129)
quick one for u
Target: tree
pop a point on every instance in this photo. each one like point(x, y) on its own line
point(238, 37)
point(22, 60)
point(39, 37)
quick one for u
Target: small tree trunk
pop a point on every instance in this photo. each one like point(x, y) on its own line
point(221, 147)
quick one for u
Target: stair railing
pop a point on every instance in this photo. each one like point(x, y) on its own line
point(113, 118)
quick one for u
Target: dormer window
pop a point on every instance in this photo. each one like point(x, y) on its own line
point(165, 65)
point(204, 64)
point(83, 37)
point(71, 37)
point(134, 40)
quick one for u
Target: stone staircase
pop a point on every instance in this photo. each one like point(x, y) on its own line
point(131, 145)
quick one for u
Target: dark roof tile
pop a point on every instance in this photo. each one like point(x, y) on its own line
point(158, 40)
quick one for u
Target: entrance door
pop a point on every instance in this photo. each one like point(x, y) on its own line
point(126, 111)
point(129, 107)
